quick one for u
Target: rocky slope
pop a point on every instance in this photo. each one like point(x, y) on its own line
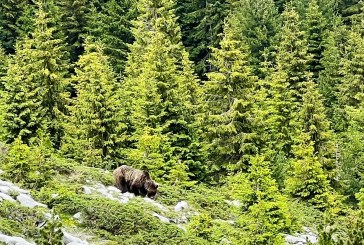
point(178, 214)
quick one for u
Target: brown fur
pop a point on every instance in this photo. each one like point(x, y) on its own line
point(136, 181)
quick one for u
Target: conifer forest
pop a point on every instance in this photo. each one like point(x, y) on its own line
point(249, 114)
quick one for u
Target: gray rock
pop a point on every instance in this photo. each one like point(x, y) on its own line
point(47, 215)
point(181, 206)
point(6, 197)
point(6, 183)
point(235, 203)
point(5, 189)
point(105, 193)
point(28, 201)
point(158, 205)
point(1, 171)
point(294, 240)
point(13, 240)
point(69, 239)
point(182, 227)
point(128, 195)
point(17, 189)
point(86, 190)
point(100, 186)
point(77, 216)
point(55, 195)
point(113, 189)
point(123, 200)
point(310, 238)
point(161, 218)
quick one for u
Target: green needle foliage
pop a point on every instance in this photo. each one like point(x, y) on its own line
point(315, 25)
point(71, 18)
point(94, 130)
point(229, 94)
point(16, 21)
point(111, 25)
point(35, 85)
point(201, 23)
point(256, 24)
point(161, 93)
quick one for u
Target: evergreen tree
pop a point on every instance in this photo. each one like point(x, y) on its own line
point(292, 52)
point(307, 179)
point(283, 87)
point(15, 16)
point(161, 94)
point(3, 63)
point(269, 215)
point(315, 26)
point(71, 17)
point(111, 25)
point(229, 99)
point(350, 10)
point(351, 155)
point(276, 118)
point(314, 123)
point(35, 84)
point(201, 23)
point(330, 77)
point(256, 23)
point(94, 132)
point(281, 97)
point(351, 87)
point(11, 14)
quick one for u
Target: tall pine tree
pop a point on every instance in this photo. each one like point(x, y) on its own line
point(229, 99)
point(161, 94)
point(15, 21)
point(201, 23)
point(315, 26)
point(292, 52)
point(94, 129)
point(111, 25)
point(71, 19)
point(256, 23)
point(35, 84)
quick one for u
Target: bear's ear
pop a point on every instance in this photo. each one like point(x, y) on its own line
point(146, 173)
point(156, 185)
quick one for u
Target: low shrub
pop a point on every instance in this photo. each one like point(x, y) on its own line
point(18, 220)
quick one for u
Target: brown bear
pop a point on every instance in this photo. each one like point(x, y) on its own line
point(136, 181)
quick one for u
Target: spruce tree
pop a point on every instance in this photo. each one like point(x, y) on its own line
point(313, 122)
point(275, 118)
point(71, 17)
point(94, 129)
point(269, 215)
point(352, 87)
point(283, 87)
point(161, 94)
point(307, 179)
point(229, 99)
point(315, 26)
point(3, 64)
point(256, 23)
point(201, 23)
point(330, 77)
point(292, 52)
point(350, 10)
point(14, 15)
point(35, 84)
point(111, 25)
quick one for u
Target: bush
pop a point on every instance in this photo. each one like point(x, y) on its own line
point(29, 166)
point(17, 220)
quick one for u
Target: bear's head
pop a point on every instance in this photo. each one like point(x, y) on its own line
point(151, 188)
